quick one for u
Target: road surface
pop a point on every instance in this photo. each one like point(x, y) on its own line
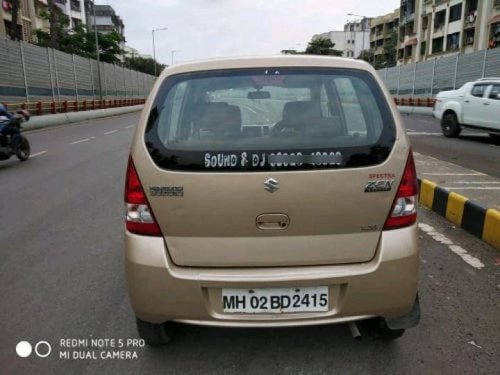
point(62, 277)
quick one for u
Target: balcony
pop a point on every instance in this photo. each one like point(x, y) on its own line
point(470, 21)
point(438, 27)
point(76, 6)
point(406, 18)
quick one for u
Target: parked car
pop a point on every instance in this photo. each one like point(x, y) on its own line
point(475, 105)
point(311, 222)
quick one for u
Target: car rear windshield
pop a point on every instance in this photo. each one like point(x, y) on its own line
point(269, 119)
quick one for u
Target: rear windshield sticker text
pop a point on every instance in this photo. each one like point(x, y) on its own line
point(279, 159)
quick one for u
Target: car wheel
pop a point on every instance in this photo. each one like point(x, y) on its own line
point(154, 334)
point(450, 126)
point(495, 137)
point(23, 153)
point(378, 329)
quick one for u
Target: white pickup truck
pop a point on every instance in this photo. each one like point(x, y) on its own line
point(475, 105)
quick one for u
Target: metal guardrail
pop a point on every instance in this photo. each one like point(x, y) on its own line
point(415, 102)
point(52, 107)
point(64, 106)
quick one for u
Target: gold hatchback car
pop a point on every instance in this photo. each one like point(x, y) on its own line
point(273, 191)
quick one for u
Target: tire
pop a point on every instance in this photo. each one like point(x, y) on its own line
point(24, 151)
point(378, 329)
point(154, 334)
point(450, 126)
point(495, 137)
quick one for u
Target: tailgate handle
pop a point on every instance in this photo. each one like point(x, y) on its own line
point(272, 221)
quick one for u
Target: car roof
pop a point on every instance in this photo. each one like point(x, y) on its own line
point(488, 80)
point(269, 61)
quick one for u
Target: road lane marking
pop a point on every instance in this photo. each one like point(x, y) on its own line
point(440, 134)
point(471, 188)
point(476, 182)
point(129, 126)
point(460, 251)
point(455, 174)
point(37, 154)
point(110, 132)
point(473, 343)
point(82, 140)
point(422, 133)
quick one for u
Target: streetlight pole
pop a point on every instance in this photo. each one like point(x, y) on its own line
point(154, 49)
point(172, 53)
point(97, 52)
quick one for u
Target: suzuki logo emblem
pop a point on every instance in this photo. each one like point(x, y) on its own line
point(271, 185)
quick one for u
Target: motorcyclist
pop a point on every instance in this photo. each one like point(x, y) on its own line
point(7, 128)
point(4, 114)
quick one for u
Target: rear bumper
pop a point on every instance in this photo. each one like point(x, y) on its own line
point(160, 291)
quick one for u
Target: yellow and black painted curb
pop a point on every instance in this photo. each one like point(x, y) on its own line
point(482, 222)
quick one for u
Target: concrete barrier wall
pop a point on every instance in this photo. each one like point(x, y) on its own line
point(415, 110)
point(72, 117)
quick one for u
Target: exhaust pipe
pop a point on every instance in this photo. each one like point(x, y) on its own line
point(353, 327)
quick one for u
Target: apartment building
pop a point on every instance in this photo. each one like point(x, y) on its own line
point(352, 40)
point(74, 9)
point(382, 32)
point(29, 18)
point(40, 21)
point(430, 29)
point(106, 19)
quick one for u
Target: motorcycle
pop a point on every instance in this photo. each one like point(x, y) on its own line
point(13, 125)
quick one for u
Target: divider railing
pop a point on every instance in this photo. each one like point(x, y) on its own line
point(63, 106)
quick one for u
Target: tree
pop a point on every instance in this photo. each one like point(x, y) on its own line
point(14, 30)
point(82, 42)
point(366, 55)
point(385, 60)
point(143, 65)
point(390, 51)
point(322, 46)
point(58, 23)
point(291, 52)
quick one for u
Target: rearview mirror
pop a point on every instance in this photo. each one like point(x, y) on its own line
point(259, 95)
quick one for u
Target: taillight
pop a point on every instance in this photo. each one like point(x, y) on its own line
point(140, 218)
point(404, 209)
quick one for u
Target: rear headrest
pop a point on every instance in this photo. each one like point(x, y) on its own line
point(218, 117)
point(301, 110)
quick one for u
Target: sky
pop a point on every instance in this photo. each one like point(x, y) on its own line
point(200, 29)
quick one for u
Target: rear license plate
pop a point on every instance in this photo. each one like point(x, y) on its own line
point(275, 300)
